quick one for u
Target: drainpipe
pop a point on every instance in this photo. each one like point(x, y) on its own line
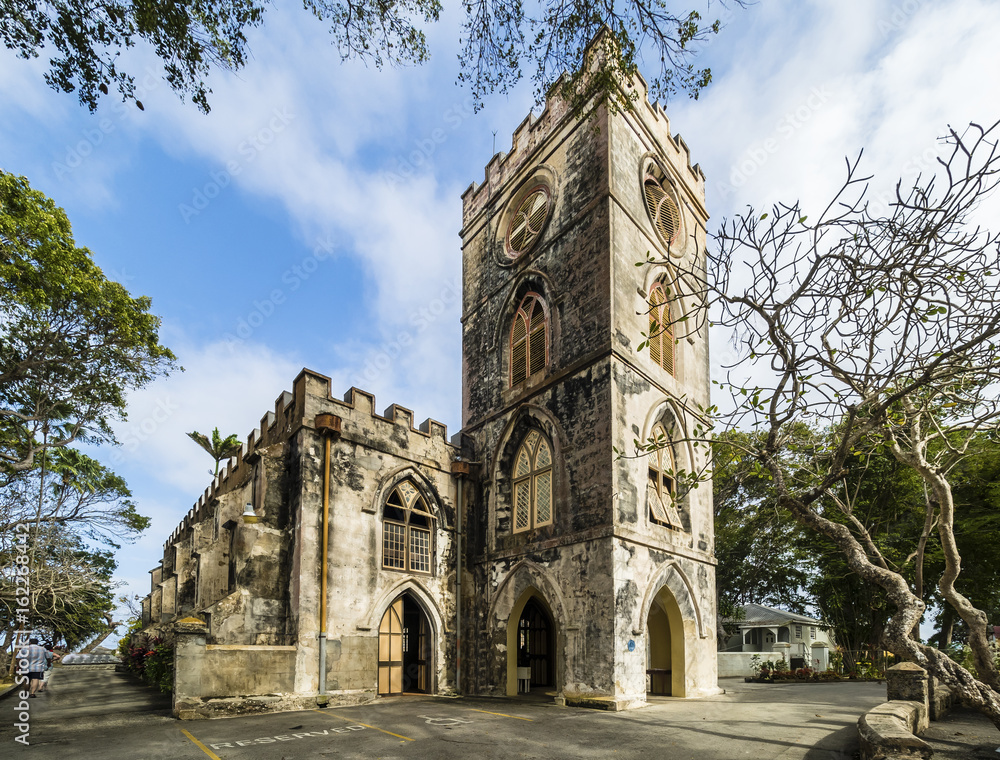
point(459, 469)
point(328, 425)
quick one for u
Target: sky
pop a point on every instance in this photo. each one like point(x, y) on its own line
point(311, 219)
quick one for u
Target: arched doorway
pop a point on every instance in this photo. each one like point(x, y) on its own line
point(665, 646)
point(532, 657)
point(535, 644)
point(404, 649)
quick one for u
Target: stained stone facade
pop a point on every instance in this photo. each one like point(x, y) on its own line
point(565, 568)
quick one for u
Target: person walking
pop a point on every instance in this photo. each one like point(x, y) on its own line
point(51, 658)
point(37, 658)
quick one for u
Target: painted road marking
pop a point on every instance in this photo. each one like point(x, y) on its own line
point(503, 715)
point(446, 721)
point(200, 746)
point(235, 744)
point(341, 717)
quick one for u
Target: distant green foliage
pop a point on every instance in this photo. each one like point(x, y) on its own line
point(756, 542)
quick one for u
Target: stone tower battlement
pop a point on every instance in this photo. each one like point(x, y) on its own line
point(310, 395)
point(534, 131)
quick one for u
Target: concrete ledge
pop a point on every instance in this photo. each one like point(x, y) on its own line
point(250, 648)
point(601, 703)
point(230, 707)
point(886, 732)
point(93, 666)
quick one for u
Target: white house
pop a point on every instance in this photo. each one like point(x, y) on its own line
point(803, 641)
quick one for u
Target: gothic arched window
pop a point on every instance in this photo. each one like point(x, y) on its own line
point(528, 339)
point(661, 491)
point(661, 328)
point(533, 483)
point(406, 530)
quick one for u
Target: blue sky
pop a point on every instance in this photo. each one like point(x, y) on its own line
point(312, 218)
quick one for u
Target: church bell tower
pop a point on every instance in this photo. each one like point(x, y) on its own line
point(589, 574)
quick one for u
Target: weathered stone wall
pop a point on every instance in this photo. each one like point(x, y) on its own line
point(212, 554)
point(258, 584)
point(373, 454)
point(567, 564)
point(230, 669)
point(732, 664)
point(598, 565)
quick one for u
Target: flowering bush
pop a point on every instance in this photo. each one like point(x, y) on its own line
point(149, 657)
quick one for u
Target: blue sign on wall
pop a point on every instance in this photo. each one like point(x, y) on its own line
point(631, 645)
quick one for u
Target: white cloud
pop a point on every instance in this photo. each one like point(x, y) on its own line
point(880, 76)
point(225, 385)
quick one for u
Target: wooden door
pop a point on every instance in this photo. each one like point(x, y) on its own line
point(390, 650)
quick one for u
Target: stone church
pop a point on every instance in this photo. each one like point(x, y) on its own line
point(346, 553)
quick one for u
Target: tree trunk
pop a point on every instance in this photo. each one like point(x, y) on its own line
point(947, 628)
point(99, 640)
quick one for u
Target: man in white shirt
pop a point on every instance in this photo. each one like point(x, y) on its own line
point(37, 658)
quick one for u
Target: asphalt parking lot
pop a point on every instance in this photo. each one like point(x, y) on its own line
point(102, 717)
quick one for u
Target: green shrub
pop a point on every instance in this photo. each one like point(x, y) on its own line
point(149, 657)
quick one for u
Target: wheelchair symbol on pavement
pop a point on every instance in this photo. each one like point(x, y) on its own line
point(443, 721)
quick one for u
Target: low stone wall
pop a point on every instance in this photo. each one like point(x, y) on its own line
point(890, 731)
point(735, 664)
point(214, 680)
point(227, 670)
point(939, 700)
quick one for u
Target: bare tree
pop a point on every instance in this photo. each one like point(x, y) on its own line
point(882, 329)
point(70, 593)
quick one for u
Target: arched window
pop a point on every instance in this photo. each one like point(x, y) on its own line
point(406, 530)
point(533, 483)
point(528, 340)
point(660, 205)
point(661, 491)
point(661, 328)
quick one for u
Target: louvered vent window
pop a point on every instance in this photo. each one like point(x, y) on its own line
point(528, 221)
point(533, 483)
point(661, 207)
point(406, 530)
point(528, 340)
point(661, 491)
point(661, 328)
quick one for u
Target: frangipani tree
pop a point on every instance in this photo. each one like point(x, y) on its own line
point(883, 329)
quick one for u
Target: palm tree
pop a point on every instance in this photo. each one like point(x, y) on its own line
point(218, 448)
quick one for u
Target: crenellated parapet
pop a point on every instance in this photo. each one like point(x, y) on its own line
point(534, 132)
point(295, 409)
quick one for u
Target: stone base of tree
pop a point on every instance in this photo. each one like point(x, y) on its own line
point(891, 730)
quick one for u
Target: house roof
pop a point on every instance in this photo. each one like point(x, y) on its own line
point(758, 614)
